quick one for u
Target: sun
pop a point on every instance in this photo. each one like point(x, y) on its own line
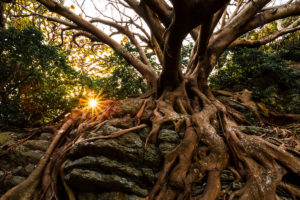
point(95, 104)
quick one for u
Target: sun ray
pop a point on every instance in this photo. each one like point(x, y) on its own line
point(95, 104)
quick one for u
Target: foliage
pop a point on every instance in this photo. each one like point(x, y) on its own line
point(124, 81)
point(85, 56)
point(36, 81)
point(289, 47)
point(267, 75)
point(186, 52)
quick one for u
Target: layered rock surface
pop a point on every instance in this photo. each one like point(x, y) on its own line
point(105, 169)
point(116, 165)
point(20, 162)
point(122, 168)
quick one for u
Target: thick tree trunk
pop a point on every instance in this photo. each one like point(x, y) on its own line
point(2, 20)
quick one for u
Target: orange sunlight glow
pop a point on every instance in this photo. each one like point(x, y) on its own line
point(96, 104)
point(93, 103)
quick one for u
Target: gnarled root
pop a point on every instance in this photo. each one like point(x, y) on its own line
point(183, 152)
point(212, 155)
point(117, 134)
point(28, 188)
point(262, 164)
point(200, 157)
point(164, 112)
point(202, 151)
point(70, 193)
point(140, 112)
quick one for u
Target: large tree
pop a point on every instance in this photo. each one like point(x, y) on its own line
point(183, 96)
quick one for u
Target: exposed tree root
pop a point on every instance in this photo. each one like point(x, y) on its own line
point(70, 193)
point(162, 114)
point(237, 115)
point(141, 111)
point(214, 158)
point(244, 98)
point(262, 163)
point(28, 188)
point(21, 141)
point(117, 134)
point(199, 158)
point(178, 175)
point(290, 117)
point(201, 151)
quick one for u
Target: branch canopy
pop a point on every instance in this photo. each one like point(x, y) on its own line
point(163, 26)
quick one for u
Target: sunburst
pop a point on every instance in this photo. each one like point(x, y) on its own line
point(95, 104)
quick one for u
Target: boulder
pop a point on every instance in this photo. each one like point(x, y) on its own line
point(167, 135)
point(10, 181)
point(121, 166)
point(103, 164)
point(24, 155)
point(165, 147)
point(127, 148)
point(92, 181)
point(41, 145)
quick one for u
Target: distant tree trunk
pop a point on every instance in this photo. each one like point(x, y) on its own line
point(2, 20)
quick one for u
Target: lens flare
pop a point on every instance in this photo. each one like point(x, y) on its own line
point(95, 104)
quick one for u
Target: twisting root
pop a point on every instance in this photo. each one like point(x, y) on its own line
point(168, 114)
point(183, 152)
point(21, 141)
point(83, 133)
point(70, 193)
point(157, 121)
point(27, 189)
point(141, 111)
point(117, 134)
point(214, 158)
point(201, 151)
point(236, 193)
point(262, 163)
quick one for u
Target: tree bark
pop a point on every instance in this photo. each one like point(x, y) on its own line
point(2, 20)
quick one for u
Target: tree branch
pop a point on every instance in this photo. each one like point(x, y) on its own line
point(270, 15)
point(253, 43)
point(232, 30)
point(126, 32)
point(144, 69)
point(237, 9)
point(64, 22)
point(85, 34)
point(150, 18)
point(162, 9)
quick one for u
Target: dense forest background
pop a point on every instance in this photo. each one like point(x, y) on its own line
point(41, 81)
